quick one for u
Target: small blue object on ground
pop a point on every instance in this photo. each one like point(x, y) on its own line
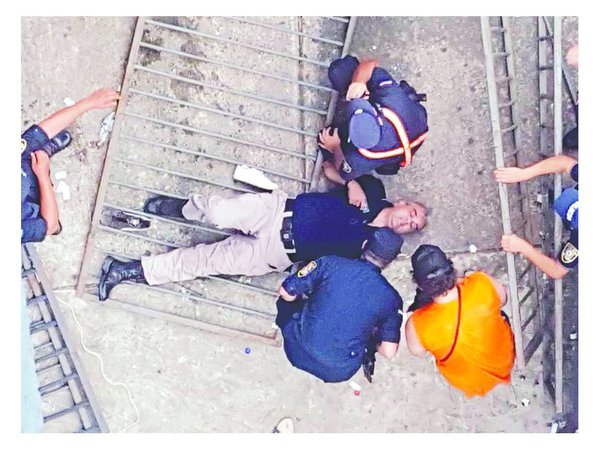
point(247, 350)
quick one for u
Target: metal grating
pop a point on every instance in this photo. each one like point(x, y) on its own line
point(551, 122)
point(200, 95)
point(515, 200)
point(68, 403)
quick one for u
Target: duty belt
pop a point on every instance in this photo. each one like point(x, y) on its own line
point(287, 235)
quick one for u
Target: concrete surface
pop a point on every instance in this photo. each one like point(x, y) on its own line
point(186, 380)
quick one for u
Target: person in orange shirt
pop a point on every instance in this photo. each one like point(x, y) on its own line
point(460, 322)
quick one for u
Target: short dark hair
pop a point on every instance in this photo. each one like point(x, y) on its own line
point(372, 257)
point(433, 287)
point(439, 283)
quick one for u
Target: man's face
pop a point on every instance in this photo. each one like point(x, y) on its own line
point(407, 217)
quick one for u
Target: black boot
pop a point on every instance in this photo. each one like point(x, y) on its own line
point(57, 143)
point(165, 206)
point(115, 271)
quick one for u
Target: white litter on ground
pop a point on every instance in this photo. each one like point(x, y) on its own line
point(355, 386)
point(105, 129)
point(253, 177)
point(63, 189)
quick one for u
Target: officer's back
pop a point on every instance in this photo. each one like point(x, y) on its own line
point(351, 300)
point(347, 300)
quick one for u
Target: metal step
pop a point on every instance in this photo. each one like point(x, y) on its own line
point(67, 374)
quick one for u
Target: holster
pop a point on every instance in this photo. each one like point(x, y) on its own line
point(368, 362)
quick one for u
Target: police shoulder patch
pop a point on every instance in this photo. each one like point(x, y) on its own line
point(23, 144)
point(307, 269)
point(569, 253)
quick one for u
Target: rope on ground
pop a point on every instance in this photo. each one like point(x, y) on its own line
point(91, 352)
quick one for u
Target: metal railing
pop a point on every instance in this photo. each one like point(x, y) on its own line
point(59, 369)
point(552, 75)
point(504, 113)
point(148, 127)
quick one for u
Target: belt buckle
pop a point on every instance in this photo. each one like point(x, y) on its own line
point(287, 236)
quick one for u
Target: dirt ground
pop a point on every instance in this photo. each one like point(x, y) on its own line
point(186, 380)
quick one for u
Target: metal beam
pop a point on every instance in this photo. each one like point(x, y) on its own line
point(236, 43)
point(332, 103)
point(337, 19)
point(235, 66)
point(194, 323)
point(215, 158)
point(220, 136)
point(73, 362)
point(558, 227)
point(287, 30)
point(261, 98)
point(110, 152)
point(224, 113)
point(502, 188)
point(185, 175)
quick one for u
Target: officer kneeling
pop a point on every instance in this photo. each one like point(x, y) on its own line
point(329, 310)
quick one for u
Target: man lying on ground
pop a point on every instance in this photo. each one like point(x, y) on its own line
point(276, 231)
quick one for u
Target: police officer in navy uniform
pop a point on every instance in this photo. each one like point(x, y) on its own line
point(36, 187)
point(39, 210)
point(331, 308)
point(566, 206)
point(385, 123)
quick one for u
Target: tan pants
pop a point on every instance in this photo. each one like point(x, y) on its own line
point(259, 216)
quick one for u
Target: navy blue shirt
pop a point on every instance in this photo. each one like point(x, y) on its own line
point(384, 92)
point(324, 223)
point(347, 300)
point(568, 255)
point(33, 226)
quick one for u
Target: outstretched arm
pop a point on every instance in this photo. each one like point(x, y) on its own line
point(61, 119)
point(554, 164)
point(550, 266)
